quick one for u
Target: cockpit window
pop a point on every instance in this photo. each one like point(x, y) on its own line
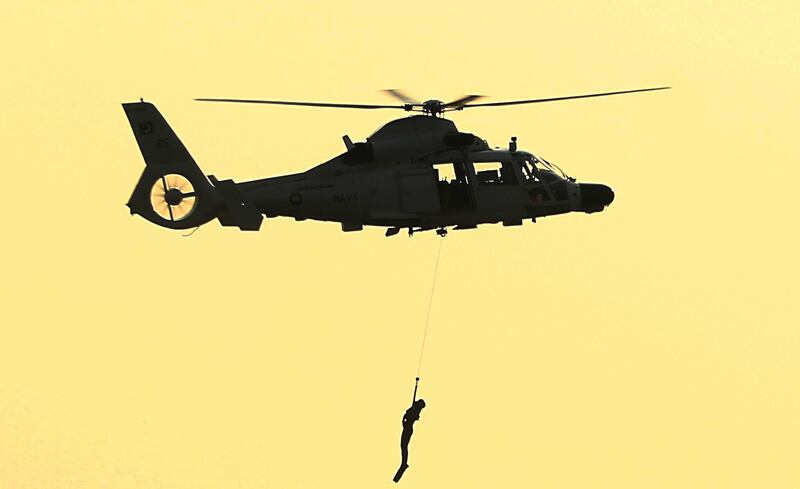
point(528, 172)
point(534, 169)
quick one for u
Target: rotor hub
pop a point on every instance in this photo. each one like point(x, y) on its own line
point(173, 196)
point(433, 106)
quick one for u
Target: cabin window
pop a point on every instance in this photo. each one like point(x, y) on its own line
point(495, 173)
point(446, 171)
point(452, 186)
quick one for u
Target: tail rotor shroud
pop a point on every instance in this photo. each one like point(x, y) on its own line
point(173, 197)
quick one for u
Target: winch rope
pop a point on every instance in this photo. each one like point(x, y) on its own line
point(428, 314)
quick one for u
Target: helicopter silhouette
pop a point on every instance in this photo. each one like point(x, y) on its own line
point(417, 173)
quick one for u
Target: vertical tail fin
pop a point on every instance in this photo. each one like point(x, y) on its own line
point(156, 140)
point(172, 192)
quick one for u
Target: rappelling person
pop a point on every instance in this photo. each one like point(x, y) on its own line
point(409, 418)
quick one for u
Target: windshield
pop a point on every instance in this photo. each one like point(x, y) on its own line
point(532, 166)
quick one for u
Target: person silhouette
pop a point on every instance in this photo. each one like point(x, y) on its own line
point(409, 418)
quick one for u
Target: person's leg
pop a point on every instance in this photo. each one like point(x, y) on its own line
point(405, 438)
point(404, 461)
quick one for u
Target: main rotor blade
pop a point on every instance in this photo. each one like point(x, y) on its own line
point(538, 100)
point(460, 102)
point(304, 104)
point(401, 96)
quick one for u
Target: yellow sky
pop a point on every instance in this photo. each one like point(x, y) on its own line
point(654, 345)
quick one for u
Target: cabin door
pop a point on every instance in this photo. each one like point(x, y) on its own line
point(418, 192)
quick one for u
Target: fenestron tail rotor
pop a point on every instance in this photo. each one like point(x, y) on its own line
point(172, 197)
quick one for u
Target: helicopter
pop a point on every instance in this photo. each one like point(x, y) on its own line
point(417, 173)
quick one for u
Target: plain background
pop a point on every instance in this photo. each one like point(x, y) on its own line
point(654, 345)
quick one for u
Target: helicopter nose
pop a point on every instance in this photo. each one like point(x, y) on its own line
point(595, 196)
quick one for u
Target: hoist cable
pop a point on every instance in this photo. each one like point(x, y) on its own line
point(430, 303)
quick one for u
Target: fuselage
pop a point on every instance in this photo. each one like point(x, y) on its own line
point(443, 182)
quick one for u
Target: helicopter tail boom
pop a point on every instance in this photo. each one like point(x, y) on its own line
point(172, 191)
